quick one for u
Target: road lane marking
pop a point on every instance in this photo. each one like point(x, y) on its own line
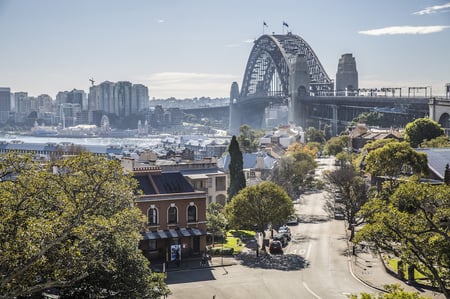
point(310, 291)
point(308, 251)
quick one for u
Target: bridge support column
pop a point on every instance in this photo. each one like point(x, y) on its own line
point(235, 117)
point(299, 87)
point(334, 121)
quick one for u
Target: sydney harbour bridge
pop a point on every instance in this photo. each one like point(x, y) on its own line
point(283, 69)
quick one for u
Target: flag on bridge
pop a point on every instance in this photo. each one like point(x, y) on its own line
point(265, 24)
point(285, 24)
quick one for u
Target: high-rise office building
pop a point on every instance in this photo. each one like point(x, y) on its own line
point(5, 104)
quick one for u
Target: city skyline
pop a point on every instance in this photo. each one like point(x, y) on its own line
point(186, 49)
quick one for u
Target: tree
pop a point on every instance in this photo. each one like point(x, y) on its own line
point(315, 135)
point(72, 225)
point(292, 170)
point(311, 148)
point(259, 205)
point(440, 141)
point(236, 169)
point(216, 220)
point(353, 190)
point(249, 139)
point(395, 158)
point(392, 292)
point(422, 129)
point(336, 145)
point(413, 224)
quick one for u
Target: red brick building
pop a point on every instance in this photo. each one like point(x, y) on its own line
point(175, 212)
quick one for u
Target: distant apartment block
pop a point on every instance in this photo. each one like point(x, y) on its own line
point(5, 104)
point(122, 98)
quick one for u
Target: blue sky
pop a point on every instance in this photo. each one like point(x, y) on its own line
point(196, 48)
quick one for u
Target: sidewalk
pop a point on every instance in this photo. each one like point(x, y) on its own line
point(194, 263)
point(368, 267)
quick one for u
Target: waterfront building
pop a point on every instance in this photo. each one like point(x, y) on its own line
point(22, 106)
point(122, 98)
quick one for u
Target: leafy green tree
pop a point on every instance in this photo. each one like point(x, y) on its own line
point(259, 205)
point(395, 158)
point(440, 141)
point(413, 224)
point(292, 171)
point(216, 220)
point(422, 129)
point(354, 193)
point(337, 144)
point(249, 139)
point(71, 224)
point(392, 292)
point(315, 135)
point(236, 169)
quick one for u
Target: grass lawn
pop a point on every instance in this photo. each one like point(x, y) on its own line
point(392, 263)
point(235, 240)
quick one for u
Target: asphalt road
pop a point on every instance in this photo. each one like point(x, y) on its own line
point(314, 265)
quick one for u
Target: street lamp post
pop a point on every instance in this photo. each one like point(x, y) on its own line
point(223, 236)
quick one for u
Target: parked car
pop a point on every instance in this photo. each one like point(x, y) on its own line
point(276, 247)
point(282, 238)
point(338, 215)
point(286, 231)
point(292, 220)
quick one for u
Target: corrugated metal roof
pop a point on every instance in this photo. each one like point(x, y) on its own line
point(437, 159)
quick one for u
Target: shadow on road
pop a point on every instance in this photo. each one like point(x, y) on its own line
point(313, 218)
point(287, 262)
point(195, 276)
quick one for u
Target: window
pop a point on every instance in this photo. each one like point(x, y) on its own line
point(172, 215)
point(221, 183)
point(152, 216)
point(192, 214)
point(152, 245)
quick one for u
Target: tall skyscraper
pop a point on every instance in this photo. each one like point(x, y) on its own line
point(5, 104)
point(140, 95)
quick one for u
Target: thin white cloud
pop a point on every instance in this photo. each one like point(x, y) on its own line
point(433, 9)
point(185, 85)
point(394, 30)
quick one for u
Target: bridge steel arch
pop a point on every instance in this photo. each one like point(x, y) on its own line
point(269, 65)
point(275, 53)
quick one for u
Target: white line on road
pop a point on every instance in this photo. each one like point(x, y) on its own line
point(309, 290)
point(308, 251)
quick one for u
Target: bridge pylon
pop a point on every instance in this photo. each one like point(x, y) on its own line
point(235, 113)
point(299, 85)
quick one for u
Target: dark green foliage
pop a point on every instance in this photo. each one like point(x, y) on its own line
point(422, 129)
point(236, 169)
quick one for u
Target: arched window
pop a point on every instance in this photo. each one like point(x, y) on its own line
point(172, 215)
point(192, 214)
point(152, 216)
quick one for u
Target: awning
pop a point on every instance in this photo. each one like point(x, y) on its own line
point(173, 233)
